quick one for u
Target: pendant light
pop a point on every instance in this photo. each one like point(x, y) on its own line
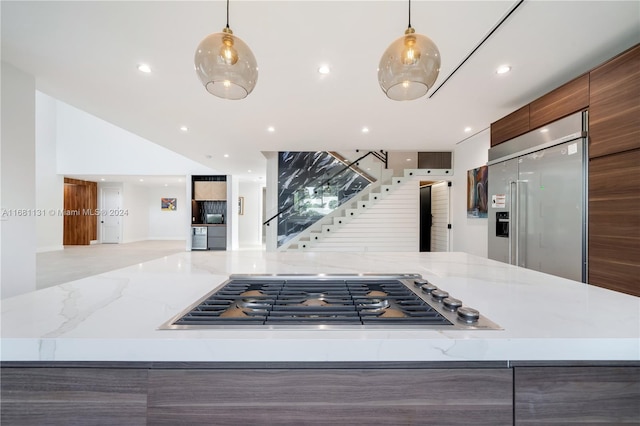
point(225, 64)
point(409, 66)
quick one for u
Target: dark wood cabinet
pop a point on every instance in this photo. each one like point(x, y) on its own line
point(73, 396)
point(514, 124)
point(614, 222)
point(331, 396)
point(614, 105)
point(576, 395)
point(565, 100)
point(354, 393)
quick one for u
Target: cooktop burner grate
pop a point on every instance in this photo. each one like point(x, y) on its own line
point(380, 300)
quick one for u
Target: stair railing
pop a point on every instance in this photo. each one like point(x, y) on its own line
point(382, 155)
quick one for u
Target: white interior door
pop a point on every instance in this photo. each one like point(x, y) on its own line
point(440, 213)
point(110, 224)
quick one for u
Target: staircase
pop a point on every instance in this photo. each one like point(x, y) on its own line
point(383, 217)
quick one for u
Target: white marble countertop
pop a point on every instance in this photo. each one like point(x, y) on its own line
point(115, 316)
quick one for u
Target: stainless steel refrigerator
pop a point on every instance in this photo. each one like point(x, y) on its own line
point(537, 199)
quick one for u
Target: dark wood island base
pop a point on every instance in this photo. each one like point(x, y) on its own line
point(320, 393)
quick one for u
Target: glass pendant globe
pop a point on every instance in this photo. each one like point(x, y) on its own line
point(409, 67)
point(226, 66)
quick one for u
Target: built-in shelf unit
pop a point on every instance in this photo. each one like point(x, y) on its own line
point(209, 209)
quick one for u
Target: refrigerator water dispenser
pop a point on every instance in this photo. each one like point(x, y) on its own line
point(502, 224)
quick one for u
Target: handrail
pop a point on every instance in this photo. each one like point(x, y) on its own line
point(382, 156)
point(286, 209)
point(348, 166)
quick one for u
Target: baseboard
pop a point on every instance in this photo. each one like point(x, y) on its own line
point(49, 248)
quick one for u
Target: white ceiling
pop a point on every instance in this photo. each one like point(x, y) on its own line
point(86, 54)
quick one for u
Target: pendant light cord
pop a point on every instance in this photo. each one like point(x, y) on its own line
point(409, 13)
point(227, 13)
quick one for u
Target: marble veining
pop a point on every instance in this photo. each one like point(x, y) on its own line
point(115, 316)
point(310, 185)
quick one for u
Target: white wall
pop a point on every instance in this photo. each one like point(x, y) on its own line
point(232, 217)
point(168, 225)
point(49, 185)
point(397, 161)
point(271, 202)
point(250, 223)
point(468, 235)
point(17, 183)
point(89, 145)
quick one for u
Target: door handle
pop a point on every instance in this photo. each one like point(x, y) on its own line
point(512, 220)
point(517, 200)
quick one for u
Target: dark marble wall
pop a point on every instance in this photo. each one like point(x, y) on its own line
point(310, 185)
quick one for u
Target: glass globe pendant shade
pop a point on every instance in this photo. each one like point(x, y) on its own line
point(226, 66)
point(409, 67)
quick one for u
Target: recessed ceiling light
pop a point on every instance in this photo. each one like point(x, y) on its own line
point(365, 130)
point(503, 69)
point(179, 180)
point(226, 156)
point(141, 180)
point(467, 129)
point(545, 130)
point(248, 171)
point(324, 69)
point(166, 184)
point(184, 128)
point(271, 129)
point(144, 68)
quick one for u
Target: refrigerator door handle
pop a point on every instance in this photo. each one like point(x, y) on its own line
point(517, 200)
point(518, 230)
point(512, 220)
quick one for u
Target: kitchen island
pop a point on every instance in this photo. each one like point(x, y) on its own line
point(557, 337)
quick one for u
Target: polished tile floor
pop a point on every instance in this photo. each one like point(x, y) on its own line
point(76, 262)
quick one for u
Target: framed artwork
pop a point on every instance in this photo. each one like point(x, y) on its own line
point(477, 192)
point(240, 205)
point(168, 204)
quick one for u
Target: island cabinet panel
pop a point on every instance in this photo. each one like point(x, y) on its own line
point(565, 100)
point(577, 395)
point(514, 124)
point(73, 396)
point(614, 222)
point(331, 396)
point(614, 110)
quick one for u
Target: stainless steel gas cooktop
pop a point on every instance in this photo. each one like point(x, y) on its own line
point(329, 302)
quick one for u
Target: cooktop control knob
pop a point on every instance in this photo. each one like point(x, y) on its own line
point(428, 288)
point(468, 315)
point(438, 295)
point(420, 282)
point(451, 304)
